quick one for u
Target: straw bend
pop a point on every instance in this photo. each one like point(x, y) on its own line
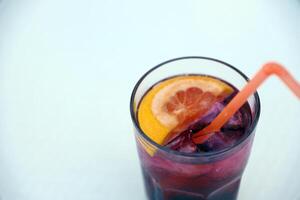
point(273, 68)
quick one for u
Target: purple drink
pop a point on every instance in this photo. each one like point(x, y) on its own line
point(179, 169)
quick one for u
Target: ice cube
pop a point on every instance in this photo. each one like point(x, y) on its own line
point(183, 143)
point(216, 142)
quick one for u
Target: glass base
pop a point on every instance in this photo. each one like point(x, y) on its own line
point(155, 192)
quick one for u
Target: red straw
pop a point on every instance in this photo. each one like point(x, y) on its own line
point(266, 71)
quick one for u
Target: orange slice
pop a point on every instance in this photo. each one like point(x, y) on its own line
point(171, 105)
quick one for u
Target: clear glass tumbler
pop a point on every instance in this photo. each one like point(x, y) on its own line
point(172, 175)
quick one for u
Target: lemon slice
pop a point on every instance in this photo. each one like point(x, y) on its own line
point(170, 103)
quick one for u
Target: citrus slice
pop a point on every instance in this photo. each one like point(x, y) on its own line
point(172, 105)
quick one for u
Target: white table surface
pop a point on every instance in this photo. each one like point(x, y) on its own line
point(67, 68)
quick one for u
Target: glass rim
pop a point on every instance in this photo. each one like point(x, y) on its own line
point(249, 132)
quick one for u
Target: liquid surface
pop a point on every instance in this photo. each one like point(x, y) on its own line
point(176, 108)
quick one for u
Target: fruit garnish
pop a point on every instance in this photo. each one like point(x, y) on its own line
point(172, 105)
point(188, 106)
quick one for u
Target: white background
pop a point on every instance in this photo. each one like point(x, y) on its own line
point(67, 68)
